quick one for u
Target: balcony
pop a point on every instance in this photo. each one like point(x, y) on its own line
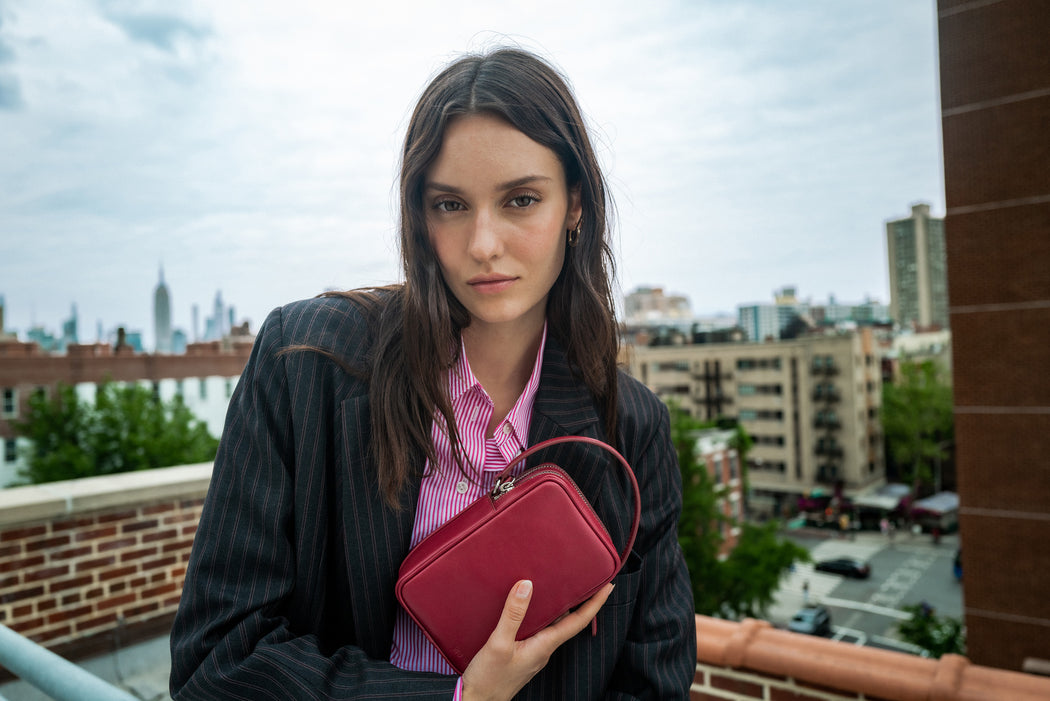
point(827, 421)
point(826, 393)
point(825, 367)
point(828, 449)
point(827, 474)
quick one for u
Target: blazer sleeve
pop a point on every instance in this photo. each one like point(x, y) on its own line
point(658, 660)
point(232, 638)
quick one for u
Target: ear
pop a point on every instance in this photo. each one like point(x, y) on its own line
point(575, 211)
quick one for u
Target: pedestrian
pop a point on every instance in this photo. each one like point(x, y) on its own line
point(805, 593)
point(366, 419)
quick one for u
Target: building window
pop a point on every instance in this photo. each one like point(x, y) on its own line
point(204, 388)
point(10, 407)
point(760, 415)
point(179, 388)
point(10, 450)
point(229, 388)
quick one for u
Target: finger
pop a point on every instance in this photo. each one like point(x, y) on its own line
point(572, 623)
point(514, 610)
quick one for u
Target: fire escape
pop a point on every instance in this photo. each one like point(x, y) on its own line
point(826, 397)
point(712, 398)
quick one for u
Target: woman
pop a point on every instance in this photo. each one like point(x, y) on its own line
point(366, 419)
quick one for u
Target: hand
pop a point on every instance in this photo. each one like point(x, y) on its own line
point(504, 665)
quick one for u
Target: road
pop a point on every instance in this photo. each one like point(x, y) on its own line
point(907, 570)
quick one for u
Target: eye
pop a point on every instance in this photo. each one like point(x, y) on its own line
point(446, 205)
point(524, 200)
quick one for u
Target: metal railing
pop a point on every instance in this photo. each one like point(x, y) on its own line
point(52, 674)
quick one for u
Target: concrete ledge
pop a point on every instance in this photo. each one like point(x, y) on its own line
point(38, 502)
point(756, 646)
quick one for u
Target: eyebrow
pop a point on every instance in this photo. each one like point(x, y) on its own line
point(509, 185)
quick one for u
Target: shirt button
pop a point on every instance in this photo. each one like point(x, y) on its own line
point(506, 429)
point(461, 486)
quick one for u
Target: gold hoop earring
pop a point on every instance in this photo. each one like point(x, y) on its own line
point(574, 234)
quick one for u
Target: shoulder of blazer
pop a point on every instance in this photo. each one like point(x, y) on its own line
point(335, 324)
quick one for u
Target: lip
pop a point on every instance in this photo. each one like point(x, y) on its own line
point(491, 284)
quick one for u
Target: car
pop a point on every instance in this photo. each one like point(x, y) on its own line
point(848, 566)
point(811, 620)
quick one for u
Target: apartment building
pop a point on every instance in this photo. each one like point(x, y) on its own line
point(811, 406)
point(918, 269)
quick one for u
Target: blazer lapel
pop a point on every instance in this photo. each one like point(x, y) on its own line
point(563, 407)
point(563, 404)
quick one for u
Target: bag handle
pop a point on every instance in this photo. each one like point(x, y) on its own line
point(502, 486)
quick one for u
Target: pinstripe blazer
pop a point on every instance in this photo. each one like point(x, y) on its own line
point(289, 590)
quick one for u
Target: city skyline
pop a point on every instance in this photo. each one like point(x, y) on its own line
point(194, 331)
point(252, 147)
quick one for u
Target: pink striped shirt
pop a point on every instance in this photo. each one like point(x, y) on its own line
point(445, 491)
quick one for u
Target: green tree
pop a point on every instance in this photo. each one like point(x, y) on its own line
point(60, 430)
point(126, 429)
point(917, 420)
point(744, 582)
point(935, 634)
point(754, 568)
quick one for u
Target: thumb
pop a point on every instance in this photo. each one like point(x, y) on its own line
point(514, 609)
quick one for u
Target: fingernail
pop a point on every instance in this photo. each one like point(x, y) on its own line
point(524, 589)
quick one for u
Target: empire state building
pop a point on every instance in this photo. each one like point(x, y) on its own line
point(162, 316)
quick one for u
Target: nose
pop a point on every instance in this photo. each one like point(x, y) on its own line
point(485, 242)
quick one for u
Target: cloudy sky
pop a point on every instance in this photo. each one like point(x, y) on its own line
point(249, 146)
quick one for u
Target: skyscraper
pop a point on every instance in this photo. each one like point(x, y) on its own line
point(162, 316)
point(918, 269)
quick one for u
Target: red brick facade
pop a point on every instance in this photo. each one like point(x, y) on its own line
point(995, 99)
point(72, 577)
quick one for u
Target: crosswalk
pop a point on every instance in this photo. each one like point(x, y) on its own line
point(820, 584)
point(893, 590)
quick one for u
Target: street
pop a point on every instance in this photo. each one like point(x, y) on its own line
point(907, 569)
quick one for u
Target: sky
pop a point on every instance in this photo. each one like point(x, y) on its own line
point(250, 146)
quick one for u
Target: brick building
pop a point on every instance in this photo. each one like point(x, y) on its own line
point(995, 102)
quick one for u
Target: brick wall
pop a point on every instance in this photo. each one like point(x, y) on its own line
point(72, 577)
point(723, 684)
point(995, 101)
point(79, 558)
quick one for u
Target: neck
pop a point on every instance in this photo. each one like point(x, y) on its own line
point(502, 363)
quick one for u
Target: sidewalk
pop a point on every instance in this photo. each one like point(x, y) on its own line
point(141, 670)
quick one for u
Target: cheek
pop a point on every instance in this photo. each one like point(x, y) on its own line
point(438, 247)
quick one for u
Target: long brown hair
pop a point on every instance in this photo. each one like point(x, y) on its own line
point(418, 330)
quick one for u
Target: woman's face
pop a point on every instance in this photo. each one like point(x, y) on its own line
point(497, 208)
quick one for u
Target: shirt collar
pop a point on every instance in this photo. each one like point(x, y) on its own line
point(461, 379)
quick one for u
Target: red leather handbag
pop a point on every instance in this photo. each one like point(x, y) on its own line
point(536, 526)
